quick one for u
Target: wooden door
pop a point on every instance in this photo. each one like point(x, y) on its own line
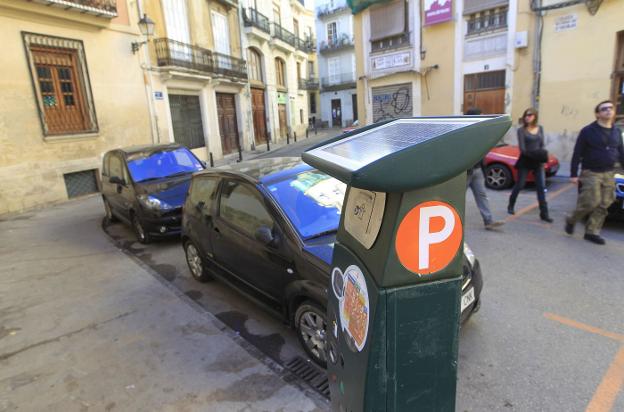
point(336, 111)
point(283, 124)
point(485, 91)
point(228, 126)
point(259, 115)
point(186, 120)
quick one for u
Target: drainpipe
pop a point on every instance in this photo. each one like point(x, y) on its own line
point(243, 48)
point(537, 55)
point(149, 89)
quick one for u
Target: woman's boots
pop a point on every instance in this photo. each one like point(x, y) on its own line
point(543, 206)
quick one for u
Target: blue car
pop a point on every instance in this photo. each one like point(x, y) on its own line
point(145, 186)
point(268, 227)
point(617, 208)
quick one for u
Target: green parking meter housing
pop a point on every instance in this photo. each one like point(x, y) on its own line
point(394, 293)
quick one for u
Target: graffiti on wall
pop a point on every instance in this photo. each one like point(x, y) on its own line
point(392, 102)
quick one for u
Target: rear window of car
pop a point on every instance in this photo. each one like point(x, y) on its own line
point(162, 164)
point(312, 200)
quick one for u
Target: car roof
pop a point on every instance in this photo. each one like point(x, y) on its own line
point(148, 148)
point(263, 171)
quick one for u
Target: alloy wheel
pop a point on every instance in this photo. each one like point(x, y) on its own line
point(312, 328)
point(497, 177)
point(194, 260)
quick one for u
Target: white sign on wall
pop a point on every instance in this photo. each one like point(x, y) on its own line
point(391, 61)
point(565, 23)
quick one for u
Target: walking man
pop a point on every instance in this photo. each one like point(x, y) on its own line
point(598, 147)
point(475, 181)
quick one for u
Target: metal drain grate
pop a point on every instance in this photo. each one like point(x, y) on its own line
point(81, 183)
point(310, 373)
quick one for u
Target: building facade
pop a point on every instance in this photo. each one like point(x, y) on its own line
point(501, 56)
point(198, 76)
point(71, 90)
point(334, 28)
point(283, 82)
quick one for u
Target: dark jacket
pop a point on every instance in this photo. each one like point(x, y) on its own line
point(597, 149)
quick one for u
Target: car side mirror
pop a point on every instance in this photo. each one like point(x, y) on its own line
point(116, 180)
point(264, 235)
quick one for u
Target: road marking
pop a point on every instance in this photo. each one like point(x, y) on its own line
point(587, 328)
point(607, 391)
point(534, 205)
point(613, 380)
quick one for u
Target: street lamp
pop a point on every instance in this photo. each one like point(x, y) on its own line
point(146, 26)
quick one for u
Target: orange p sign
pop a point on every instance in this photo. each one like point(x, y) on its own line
point(429, 237)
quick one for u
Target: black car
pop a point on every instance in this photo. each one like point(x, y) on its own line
point(145, 186)
point(270, 227)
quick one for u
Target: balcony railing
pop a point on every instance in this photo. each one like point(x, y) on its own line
point(283, 34)
point(486, 22)
point(343, 42)
point(103, 8)
point(253, 18)
point(311, 83)
point(174, 53)
point(308, 45)
point(338, 81)
point(328, 11)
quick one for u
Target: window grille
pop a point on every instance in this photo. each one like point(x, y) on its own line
point(81, 183)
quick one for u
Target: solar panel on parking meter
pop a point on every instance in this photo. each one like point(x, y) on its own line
point(393, 312)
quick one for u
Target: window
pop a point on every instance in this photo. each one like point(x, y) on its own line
point(203, 189)
point(310, 69)
point(388, 26)
point(161, 164)
point(277, 15)
point(221, 33)
point(255, 67)
point(332, 33)
point(333, 70)
point(280, 73)
point(486, 21)
point(115, 166)
point(59, 72)
point(242, 207)
point(296, 27)
point(618, 78)
point(298, 70)
point(312, 103)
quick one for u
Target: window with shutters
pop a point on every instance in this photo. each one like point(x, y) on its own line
point(618, 78)
point(61, 84)
point(332, 34)
point(255, 67)
point(388, 26)
point(487, 21)
point(280, 73)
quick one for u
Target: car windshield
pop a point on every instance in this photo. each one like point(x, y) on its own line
point(162, 164)
point(312, 200)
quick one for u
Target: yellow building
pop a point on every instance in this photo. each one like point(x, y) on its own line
point(71, 89)
point(582, 63)
point(279, 38)
point(197, 76)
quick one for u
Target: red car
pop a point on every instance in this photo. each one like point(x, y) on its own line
point(500, 172)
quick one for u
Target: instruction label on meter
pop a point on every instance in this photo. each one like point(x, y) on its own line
point(363, 215)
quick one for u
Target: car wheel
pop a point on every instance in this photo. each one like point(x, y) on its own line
point(195, 262)
point(140, 232)
point(498, 176)
point(311, 323)
point(108, 212)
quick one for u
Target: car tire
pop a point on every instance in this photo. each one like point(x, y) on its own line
point(108, 212)
point(140, 232)
point(196, 263)
point(498, 176)
point(311, 325)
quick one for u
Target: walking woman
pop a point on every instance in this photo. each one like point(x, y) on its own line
point(532, 158)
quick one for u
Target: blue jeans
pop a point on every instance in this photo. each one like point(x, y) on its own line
point(540, 184)
point(475, 183)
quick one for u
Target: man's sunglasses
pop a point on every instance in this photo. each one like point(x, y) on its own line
point(605, 108)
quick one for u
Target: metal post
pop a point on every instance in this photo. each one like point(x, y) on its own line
point(211, 159)
point(295, 136)
point(240, 154)
point(268, 139)
point(307, 132)
point(287, 137)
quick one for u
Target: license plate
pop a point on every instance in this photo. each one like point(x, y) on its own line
point(467, 299)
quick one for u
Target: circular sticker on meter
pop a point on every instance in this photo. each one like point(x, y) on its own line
point(429, 237)
point(354, 306)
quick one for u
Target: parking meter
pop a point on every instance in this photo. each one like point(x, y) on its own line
point(394, 297)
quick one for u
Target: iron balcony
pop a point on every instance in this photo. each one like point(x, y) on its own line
point(311, 83)
point(338, 82)
point(174, 53)
point(253, 18)
point(100, 8)
point(284, 35)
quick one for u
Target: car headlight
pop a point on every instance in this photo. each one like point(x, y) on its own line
point(154, 203)
point(469, 254)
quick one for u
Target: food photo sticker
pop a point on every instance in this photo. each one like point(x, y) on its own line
point(350, 289)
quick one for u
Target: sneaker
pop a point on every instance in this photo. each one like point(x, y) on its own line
point(594, 239)
point(569, 228)
point(511, 210)
point(546, 218)
point(493, 225)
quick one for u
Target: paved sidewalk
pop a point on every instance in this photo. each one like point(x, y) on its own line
point(84, 327)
